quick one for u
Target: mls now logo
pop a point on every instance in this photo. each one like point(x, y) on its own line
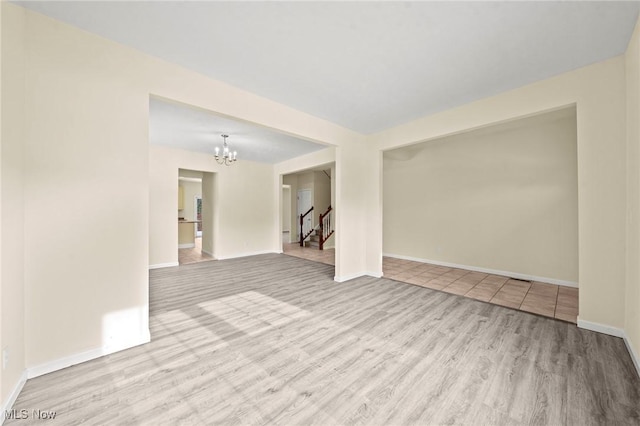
point(26, 414)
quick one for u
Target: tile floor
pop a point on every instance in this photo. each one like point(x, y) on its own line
point(548, 300)
point(193, 255)
point(327, 256)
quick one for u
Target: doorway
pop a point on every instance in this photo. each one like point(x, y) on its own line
point(194, 195)
point(310, 188)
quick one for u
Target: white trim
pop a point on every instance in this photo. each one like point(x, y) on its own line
point(252, 253)
point(187, 245)
point(344, 278)
point(81, 357)
point(13, 395)
point(487, 270)
point(613, 331)
point(600, 328)
point(634, 355)
point(163, 265)
point(206, 252)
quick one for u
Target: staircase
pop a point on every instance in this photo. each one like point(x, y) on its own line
point(314, 239)
point(317, 237)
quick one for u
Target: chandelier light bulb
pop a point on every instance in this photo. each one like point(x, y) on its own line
point(227, 157)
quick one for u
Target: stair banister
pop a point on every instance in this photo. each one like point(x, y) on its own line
point(326, 227)
point(303, 236)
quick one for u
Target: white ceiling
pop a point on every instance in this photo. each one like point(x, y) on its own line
point(365, 65)
point(180, 126)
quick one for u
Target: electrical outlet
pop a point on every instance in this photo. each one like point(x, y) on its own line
point(5, 358)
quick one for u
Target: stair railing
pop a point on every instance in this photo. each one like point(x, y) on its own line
point(326, 227)
point(304, 233)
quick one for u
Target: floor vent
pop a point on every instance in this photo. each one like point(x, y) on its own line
point(520, 279)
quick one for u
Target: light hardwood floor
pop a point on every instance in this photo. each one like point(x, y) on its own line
point(272, 339)
point(548, 300)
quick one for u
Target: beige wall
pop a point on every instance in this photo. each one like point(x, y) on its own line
point(86, 195)
point(632, 296)
point(191, 190)
point(321, 193)
point(319, 185)
point(286, 209)
point(242, 209)
point(209, 200)
point(87, 156)
point(294, 223)
point(306, 182)
point(356, 198)
point(352, 215)
point(357, 189)
point(12, 207)
point(502, 198)
point(322, 198)
point(88, 165)
point(290, 170)
point(599, 93)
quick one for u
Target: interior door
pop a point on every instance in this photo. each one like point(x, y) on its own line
point(304, 204)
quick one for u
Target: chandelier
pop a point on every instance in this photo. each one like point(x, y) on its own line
point(227, 157)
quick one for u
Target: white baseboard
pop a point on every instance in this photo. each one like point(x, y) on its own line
point(163, 265)
point(207, 252)
point(81, 357)
point(187, 245)
point(634, 355)
point(252, 253)
point(613, 331)
point(343, 278)
point(601, 328)
point(13, 395)
point(487, 270)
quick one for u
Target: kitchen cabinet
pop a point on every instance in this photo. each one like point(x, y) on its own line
point(186, 234)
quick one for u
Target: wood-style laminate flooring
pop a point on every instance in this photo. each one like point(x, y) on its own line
point(549, 300)
point(272, 339)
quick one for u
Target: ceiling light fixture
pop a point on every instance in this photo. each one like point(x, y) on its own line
point(227, 157)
